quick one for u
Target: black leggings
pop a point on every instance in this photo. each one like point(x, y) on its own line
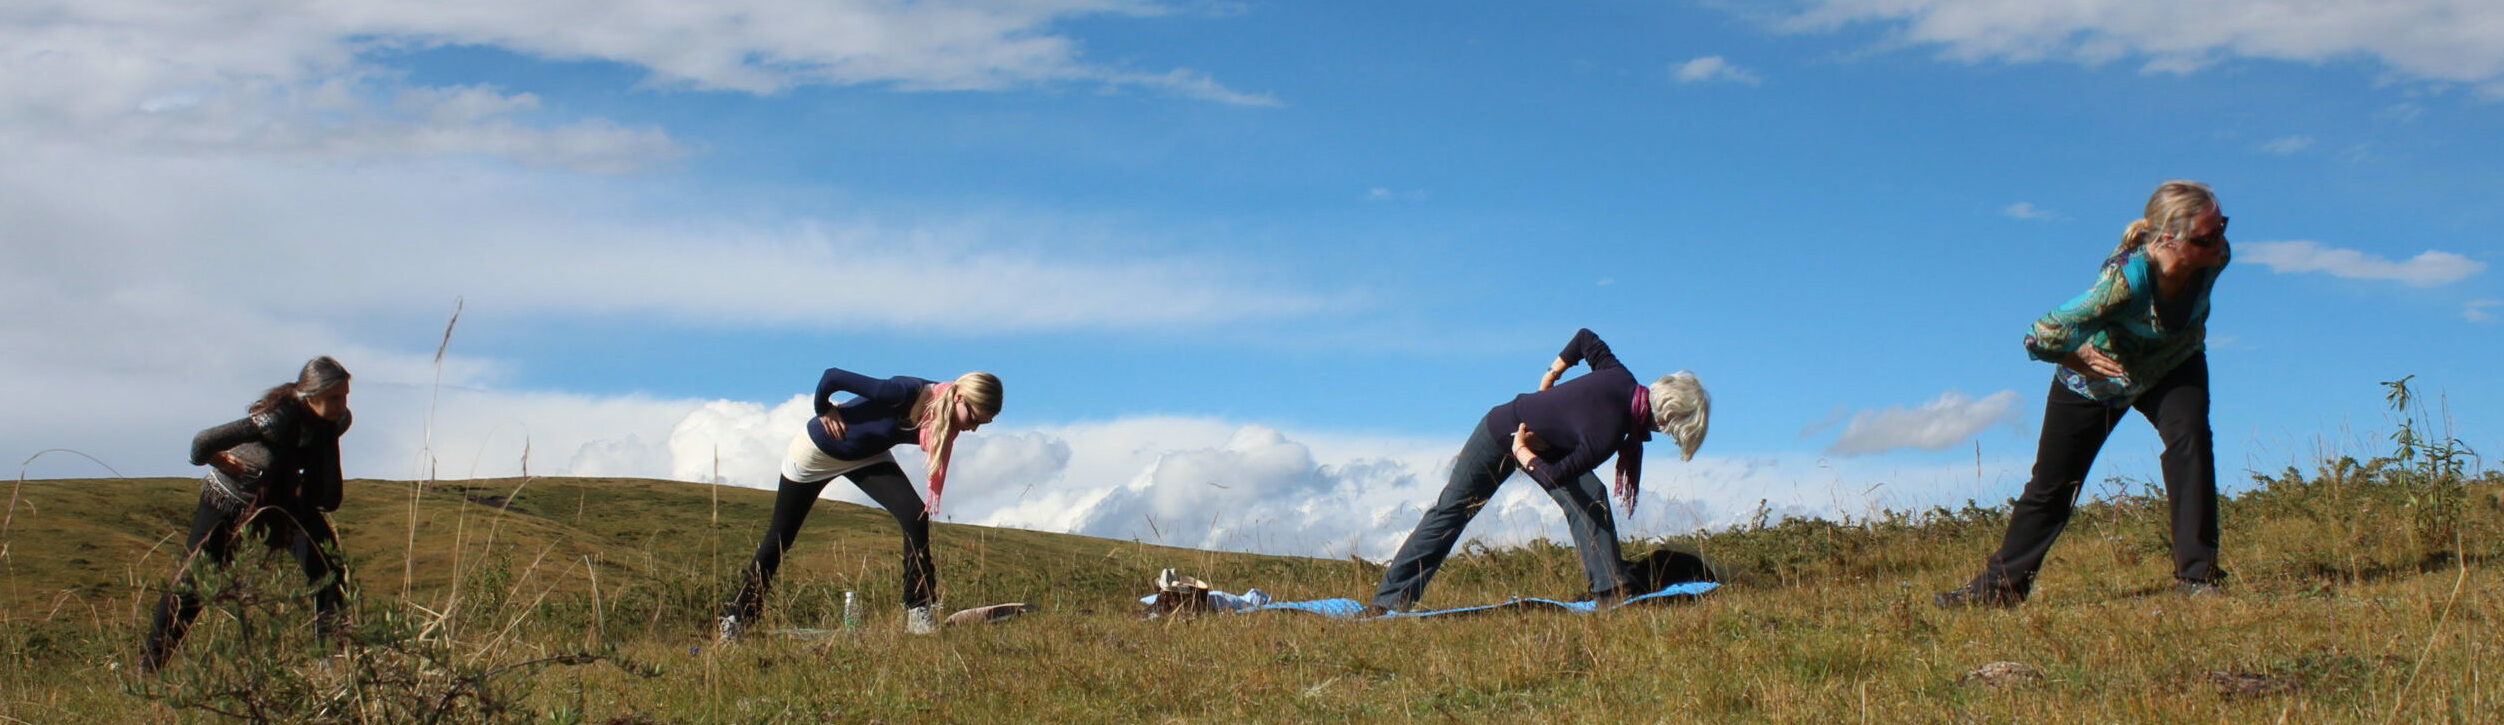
point(307, 536)
point(885, 483)
point(2074, 429)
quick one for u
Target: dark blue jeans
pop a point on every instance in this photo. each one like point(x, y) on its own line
point(1482, 466)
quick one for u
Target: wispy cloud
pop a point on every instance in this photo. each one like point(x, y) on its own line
point(2476, 310)
point(2285, 145)
point(1386, 194)
point(2427, 269)
point(2028, 211)
point(300, 81)
point(2440, 40)
point(1946, 421)
point(1713, 68)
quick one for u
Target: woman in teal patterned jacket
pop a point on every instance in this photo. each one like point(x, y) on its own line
point(2136, 340)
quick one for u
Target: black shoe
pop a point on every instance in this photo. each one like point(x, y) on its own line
point(1977, 594)
point(1371, 611)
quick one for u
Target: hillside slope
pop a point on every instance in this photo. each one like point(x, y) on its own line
point(83, 547)
point(2363, 591)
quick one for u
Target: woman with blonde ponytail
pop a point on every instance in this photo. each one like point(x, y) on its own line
point(2135, 340)
point(851, 440)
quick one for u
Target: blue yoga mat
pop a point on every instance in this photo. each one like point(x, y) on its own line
point(1345, 608)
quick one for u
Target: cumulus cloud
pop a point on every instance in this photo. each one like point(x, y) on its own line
point(2439, 40)
point(2028, 211)
point(2285, 145)
point(1946, 421)
point(1713, 68)
point(2476, 310)
point(2427, 269)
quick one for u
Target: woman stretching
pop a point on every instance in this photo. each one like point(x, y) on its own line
point(274, 472)
point(1557, 435)
point(851, 440)
point(2136, 340)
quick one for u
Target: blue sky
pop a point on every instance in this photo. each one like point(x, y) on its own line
point(1299, 247)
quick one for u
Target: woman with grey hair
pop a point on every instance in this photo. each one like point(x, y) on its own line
point(1558, 435)
point(273, 472)
point(2136, 340)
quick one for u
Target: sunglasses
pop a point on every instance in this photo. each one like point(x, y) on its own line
point(2212, 238)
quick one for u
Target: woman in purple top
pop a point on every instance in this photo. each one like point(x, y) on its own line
point(851, 440)
point(1557, 435)
point(273, 472)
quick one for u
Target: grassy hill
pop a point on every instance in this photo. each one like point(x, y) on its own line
point(2363, 591)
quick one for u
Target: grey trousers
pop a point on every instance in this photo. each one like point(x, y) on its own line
point(1482, 466)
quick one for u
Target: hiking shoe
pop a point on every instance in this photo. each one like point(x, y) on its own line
point(1371, 611)
point(1977, 594)
point(727, 629)
point(2189, 589)
point(922, 619)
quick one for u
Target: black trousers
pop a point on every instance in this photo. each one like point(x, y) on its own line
point(2074, 429)
point(885, 483)
point(304, 532)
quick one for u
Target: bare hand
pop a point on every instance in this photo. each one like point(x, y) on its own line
point(1555, 370)
point(2090, 361)
point(1525, 446)
point(834, 425)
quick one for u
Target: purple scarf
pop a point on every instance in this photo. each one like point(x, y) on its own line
point(1630, 452)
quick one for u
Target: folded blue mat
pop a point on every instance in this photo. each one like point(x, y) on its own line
point(1345, 608)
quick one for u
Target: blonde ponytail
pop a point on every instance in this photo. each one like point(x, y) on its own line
point(2169, 211)
point(2133, 236)
point(937, 414)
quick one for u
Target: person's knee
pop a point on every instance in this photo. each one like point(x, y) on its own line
point(2188, 440)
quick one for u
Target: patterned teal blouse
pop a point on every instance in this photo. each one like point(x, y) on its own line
point(2119, 317)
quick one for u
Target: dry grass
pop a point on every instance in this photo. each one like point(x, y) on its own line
point(2344, 609)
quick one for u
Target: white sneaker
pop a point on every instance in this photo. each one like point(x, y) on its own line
point(922, 619)
point(727, 629)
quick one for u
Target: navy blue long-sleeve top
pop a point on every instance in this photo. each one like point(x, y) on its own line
point(1583, 420)
point(879, 418)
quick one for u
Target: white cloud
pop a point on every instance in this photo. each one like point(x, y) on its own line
point(2427, 269)
point(2476, 310)
point(1386, 194)
point(299, 80)
point(2028, 211)
point(2441, 40)
point(94, 226)
point(1948, 420)
point(1713, 68)
point(2285, 145)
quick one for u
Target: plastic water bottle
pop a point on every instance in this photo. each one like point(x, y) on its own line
point(851, 610)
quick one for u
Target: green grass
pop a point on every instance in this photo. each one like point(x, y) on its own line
point(2364, 591)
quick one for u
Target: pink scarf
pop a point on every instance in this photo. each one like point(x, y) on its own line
point(1630, 452)
point(930, 442)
